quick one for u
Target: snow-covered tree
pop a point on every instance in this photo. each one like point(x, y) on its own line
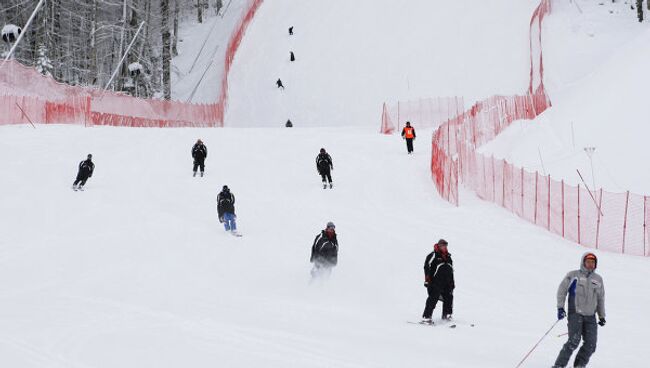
point(43, 62)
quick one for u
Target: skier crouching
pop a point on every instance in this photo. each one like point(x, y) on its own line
point(439, 281)
point(324, 252)
point(226, 210)
point(86, 169)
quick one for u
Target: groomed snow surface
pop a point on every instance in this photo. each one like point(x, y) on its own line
point(353, 56)
point(137, 272)
point(198, 68)
point(596, 56)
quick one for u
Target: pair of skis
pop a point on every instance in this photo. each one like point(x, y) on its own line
point(446, 323)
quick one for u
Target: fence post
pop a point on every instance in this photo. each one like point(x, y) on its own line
point(645, 221)
point(536, 195)
point(494, 183)
point(627, 200)
point(563, 208)
point(522, 192)
point(548, 203)
point(600, 205)
point(579, 214)
point(484, 178)
point(503, 183)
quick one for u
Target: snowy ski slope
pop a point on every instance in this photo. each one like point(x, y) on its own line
point(137, 272)
point(595, 58)
point(353, 56)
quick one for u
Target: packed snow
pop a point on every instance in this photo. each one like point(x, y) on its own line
point(136, 271)
point(199, 66)
point(353, 56)
point(595, 57)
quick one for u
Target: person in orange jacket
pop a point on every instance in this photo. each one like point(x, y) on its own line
point(408, 133)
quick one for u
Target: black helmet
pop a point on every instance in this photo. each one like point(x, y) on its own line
point(322, 150)
point(90, 156)
point(225, 188)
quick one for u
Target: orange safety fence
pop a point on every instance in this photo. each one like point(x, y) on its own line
point(598, 219)
point(27, 96)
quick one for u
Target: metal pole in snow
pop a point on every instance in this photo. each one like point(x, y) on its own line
point(20, 37)
point(592, 196)
point(117, 68)
point(534, 347)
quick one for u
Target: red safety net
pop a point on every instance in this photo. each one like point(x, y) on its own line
point(27, 96)
point(599, 219)
point(425, 112)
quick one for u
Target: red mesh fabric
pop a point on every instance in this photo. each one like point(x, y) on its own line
point(45, 101)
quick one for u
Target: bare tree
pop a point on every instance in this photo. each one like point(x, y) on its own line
point(166, 48)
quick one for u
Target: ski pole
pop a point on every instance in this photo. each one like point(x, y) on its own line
point(534, 347)
point(564, 334)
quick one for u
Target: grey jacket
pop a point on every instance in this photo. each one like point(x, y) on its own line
point(586, 292)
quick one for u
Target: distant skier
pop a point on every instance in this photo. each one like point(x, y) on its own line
point(199, 154)
point(439, 281)
point(324, 251)
point(226, 210)
point(291, 31)
point(325, 166)
point(218, 5)
point(289, 124)
point(279, 83)
point(292, 57)
point(86, 169)
point(586, 298)
point(408, 133)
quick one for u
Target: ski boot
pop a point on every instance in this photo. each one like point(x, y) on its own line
point(201, 173)
point(194, 175)
point(331, 185)
point(324, 185)
point(426, 321)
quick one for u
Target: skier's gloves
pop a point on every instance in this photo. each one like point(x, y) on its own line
point(561, 313)
point(602, 322)
point(426, 284)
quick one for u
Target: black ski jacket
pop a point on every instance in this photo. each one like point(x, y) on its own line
point(439, 270)
point(324, 163)
point(225, 203)
point(199, 151)
point(86, 168)
point(325, 250)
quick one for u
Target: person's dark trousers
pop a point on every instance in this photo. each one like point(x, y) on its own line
point(326, 174)
point(326, 177)
point(199, 163)
point(409, 145)
point(580, 327)
point(435, 292)
point(81, 180)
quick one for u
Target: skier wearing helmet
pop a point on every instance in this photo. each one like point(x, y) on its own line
point(439, 281)
point(324, 251)
point(324, 166)
point(226, 210)
point(199, 154)
point(86, 169)
point(586, 298)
